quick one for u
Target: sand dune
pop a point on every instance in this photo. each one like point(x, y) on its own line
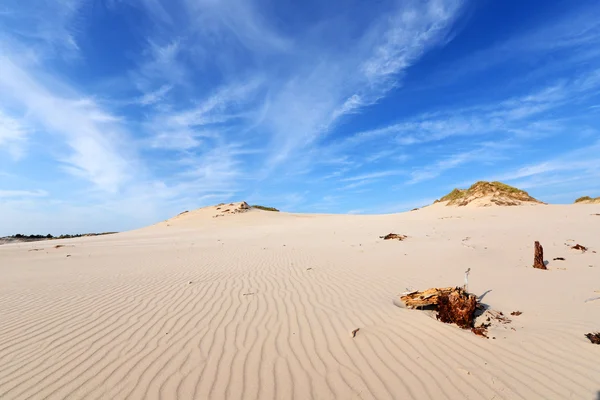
point(261, 305)
point(488, 194)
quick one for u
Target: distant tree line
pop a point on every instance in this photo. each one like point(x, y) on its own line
point(49, 236)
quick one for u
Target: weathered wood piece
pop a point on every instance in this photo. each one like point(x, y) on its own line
point(594, 337)
point(454, 305)
point(538, 257)
point(425, 298)
point(580, 247)
point(457, 307)
point(391, 236)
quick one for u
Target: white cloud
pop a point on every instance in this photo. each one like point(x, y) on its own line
point(238, 18)
point(154, 96)
point(407, 34)
point(48, 25)
point(13, 135)
point(302, 93)
point(99, 149)
point(523, 116)
point(373, 175)
point(22, 193)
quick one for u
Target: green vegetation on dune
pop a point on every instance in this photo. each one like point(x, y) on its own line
point(453, 195)
point(265, 208)
point(503, 187)
point(483, 188)
point(587, 198)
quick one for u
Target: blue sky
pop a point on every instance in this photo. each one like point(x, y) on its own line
point(115, 114)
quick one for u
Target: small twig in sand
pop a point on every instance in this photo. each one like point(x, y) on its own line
point(247, 294)
point(559, 258)
point(591, 299)
point(516, 313)
point(354, 332)
point(59, 246)
point(466, 287)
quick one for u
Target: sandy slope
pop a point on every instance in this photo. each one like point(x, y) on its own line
point(260, 305)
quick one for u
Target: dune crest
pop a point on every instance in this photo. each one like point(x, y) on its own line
point(485, 194)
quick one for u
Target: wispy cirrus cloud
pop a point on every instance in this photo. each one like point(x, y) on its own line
point(507, 117)
point(22, 193)
point(307, 98)
point(92, 134)
point(49, 25)
point(13, 135)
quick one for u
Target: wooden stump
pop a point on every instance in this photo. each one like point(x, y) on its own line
point(457, 307)
point(538, 258)
point(453, 304)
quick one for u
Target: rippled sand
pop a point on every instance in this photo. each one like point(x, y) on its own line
point(261, 305)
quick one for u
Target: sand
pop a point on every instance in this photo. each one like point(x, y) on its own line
point(261, 305)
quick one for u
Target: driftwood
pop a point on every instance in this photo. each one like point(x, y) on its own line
point(454, 305)
point(391, 236)
point(594, 337)
point(579, 247)
point(425, 298)
point(538, 258)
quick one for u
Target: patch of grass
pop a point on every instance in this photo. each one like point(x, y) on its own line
point(503, 187)
point(483, 187)
point(507, 188)
point(454, 195)
point(587, 198)
point(265, 208)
